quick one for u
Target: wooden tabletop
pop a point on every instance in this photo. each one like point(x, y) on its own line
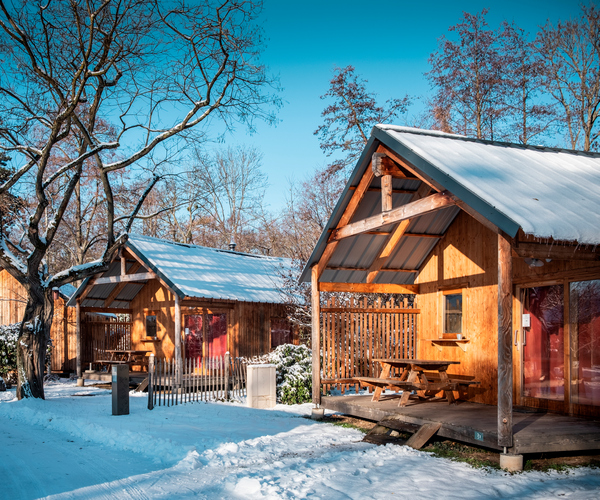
point(126, 351)
point(420, 362)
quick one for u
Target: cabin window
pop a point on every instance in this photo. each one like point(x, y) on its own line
point(453, 312)
point(281, 332)
point(151, 325)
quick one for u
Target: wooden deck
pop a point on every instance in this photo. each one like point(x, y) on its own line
point(476, 424)
point(134, 377)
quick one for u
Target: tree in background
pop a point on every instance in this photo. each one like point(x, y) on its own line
point(231, 191)
point(527, 115)
point(466, 77)
point(70, 67)
point(219, 199)
point(10, 205)
point(570, 52)
point(349, 119)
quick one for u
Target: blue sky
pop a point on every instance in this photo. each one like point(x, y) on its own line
point(389, 44)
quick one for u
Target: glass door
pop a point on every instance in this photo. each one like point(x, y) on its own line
point(584, 319)
point(205, 336)
point(543, 346)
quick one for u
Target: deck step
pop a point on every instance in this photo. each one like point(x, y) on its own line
point(143, 385)
point(424, 434)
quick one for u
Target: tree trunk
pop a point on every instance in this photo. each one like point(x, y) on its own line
point(32, 345)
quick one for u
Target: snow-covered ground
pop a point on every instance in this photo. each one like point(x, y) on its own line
point(70, 446)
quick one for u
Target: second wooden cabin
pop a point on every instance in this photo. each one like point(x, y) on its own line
point(160, 294)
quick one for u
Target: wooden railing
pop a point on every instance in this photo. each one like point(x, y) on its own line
point(205, 379)
point(355, 334)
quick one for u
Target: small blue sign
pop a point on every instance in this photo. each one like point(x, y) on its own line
point(479, 436)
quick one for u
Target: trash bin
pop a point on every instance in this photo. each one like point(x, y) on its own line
point(120, 389)
point(261, 387)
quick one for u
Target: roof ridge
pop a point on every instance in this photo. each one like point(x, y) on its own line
point(438, 133)
point(212, 249)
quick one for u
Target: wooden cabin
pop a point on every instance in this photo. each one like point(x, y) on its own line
point(498, 243)
point(178, 300)
point(13, 299)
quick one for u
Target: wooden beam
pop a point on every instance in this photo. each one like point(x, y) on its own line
point(126, 278)
point(395, 237)
point(117, 289)
point(78, 339)
point(423, 235)
point(394, 191)
point(554, 251)
point(177, 341)
point(349, 212)
point(87, 289)
point(386, 269)
point(368, 288)
point(408, 166)
point(386, 193)
point(114, 310)
point(415, 209)
point(316, 337)
point(383, 165)
point(505, 362)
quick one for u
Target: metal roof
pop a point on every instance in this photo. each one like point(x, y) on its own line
point(194, 271)
point(546, 192)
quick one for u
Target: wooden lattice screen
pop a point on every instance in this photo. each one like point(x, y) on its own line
point(101, 333)
point(354, 335)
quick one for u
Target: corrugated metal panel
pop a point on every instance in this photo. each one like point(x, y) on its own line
point(360, 251)
point(130, 291)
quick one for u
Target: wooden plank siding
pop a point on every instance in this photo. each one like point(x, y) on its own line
point(248, 323)
point(466, 259)
point(13, 299)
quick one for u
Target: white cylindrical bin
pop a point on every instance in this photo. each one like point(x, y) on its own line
point(261, 387)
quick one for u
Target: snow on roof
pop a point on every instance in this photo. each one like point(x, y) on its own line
point(549, 193)
point(213, 273)
point(67, 290)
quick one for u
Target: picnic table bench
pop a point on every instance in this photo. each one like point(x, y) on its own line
point(428, 377)
point(129, 357)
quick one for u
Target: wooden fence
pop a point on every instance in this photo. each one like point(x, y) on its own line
point(205, 379)
point(353, 335)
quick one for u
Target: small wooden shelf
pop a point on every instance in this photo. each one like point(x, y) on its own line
point(150, 339)
point(462, 343)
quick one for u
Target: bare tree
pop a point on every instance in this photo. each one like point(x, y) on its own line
point(465, 74)
point(349, 119)
point(155, 71)
point(571, 56)
point(230, 190)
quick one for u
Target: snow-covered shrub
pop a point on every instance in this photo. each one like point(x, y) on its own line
point(8, 349)
point(294, 373)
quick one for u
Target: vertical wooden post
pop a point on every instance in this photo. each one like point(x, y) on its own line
point(78, 341)
point(505, 365)
point(123, 262)
point(386, 193)
point(316, 336)
point(177, 341)
point(227, 361)
point(151, 381)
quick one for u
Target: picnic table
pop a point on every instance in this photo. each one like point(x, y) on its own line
point(129, 357)
point(413, 377)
